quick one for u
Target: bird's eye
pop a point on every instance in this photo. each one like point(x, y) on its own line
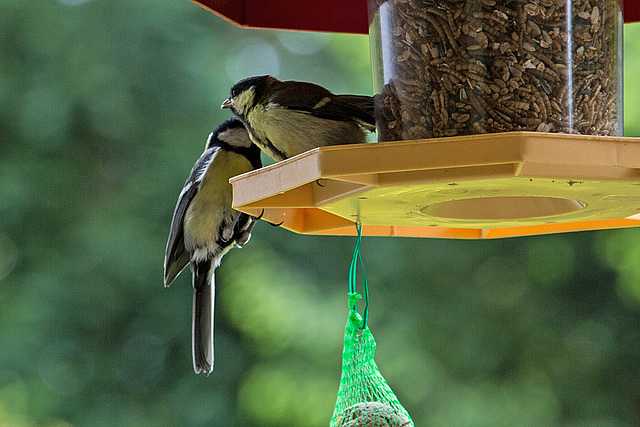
point(234, 92)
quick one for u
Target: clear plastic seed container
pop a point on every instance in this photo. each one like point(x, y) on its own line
point(461, 67)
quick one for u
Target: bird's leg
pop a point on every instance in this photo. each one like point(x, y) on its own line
point(245, 235)
point(227, 232)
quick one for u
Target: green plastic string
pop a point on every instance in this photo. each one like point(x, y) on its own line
point(353, 270)
point(364, 397)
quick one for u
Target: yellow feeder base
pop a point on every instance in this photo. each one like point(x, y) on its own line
point(479, 186)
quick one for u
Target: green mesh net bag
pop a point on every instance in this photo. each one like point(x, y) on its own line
point(364, 398)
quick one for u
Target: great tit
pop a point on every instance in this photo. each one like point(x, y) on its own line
point(205, 227)
point(285, 118)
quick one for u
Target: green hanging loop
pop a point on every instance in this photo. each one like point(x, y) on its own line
point(357, 259)
point(364, 397)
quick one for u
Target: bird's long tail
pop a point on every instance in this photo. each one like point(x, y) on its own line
point(203, 307)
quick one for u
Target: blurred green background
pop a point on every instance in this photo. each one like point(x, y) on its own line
point(106, 104)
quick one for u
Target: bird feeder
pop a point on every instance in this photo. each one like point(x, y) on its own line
point(472, 145)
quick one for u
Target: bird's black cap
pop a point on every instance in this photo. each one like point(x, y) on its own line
point(255, 81)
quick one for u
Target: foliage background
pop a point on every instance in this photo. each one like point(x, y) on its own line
point(105, 105)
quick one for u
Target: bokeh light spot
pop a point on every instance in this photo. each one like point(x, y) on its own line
point(8, 255)
point(550, 260)
point(252, 57)
point(589, 342)
point(620, 250)
point(280, 310)
point(73, 2)
point(287, 395)
point(500, 282)
point(66, 367)
point(46, 115)
point(142, 359)
point(303, 43)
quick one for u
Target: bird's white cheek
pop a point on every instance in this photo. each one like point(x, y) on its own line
point(237, 137)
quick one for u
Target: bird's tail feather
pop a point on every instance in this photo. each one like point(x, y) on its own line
point(203, 307)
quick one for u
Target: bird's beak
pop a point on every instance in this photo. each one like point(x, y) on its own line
point(227, 103)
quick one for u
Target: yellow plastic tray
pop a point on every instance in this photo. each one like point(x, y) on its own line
point(480, 186)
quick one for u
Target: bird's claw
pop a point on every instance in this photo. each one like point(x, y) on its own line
point(259, 217)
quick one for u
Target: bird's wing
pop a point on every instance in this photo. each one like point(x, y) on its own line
point(321, 103)
point(367, 105)
point(176, 256)
point(364, 102)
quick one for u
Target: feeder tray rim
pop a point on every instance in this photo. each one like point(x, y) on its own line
point(585, 182)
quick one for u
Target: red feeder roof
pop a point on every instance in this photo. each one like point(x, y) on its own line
point(341, 16)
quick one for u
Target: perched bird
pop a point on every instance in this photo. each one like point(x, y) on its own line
point(285, 118)
point(205, 227)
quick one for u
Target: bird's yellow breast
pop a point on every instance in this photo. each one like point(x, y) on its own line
point(212, 203)
point(293, 132)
